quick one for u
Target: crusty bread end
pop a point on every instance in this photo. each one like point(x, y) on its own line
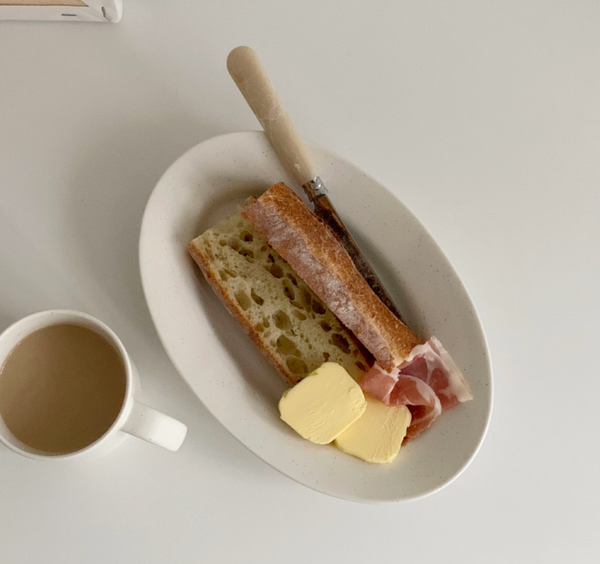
point(315, 253)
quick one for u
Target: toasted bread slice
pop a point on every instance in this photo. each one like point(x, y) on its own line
point(315, 253)
point(274, 306)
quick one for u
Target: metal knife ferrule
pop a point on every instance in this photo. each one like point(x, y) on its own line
point(314, 188)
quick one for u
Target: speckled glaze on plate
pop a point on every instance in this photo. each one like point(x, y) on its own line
point(232, 378)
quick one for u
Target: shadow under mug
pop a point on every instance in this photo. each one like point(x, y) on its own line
point(134, 417)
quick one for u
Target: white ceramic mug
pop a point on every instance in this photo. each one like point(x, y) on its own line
point(134, 418)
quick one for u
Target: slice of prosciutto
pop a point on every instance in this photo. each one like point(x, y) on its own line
point(393, 388)
point(428, 382)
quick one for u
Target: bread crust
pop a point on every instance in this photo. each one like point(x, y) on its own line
point(319, 258)
point(235, 310)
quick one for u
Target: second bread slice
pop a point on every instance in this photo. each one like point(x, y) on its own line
point(274, 306)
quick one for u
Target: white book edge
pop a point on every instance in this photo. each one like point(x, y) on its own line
point(109, 11)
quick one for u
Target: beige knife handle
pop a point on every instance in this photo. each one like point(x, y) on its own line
point(251, 78)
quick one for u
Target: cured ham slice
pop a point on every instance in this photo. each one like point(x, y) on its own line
point(428, 382)
point(432, 364)
point(393, 388)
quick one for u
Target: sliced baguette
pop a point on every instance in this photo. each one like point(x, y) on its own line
point(314, 252)
point(273, 305)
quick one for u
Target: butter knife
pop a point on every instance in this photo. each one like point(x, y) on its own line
point(251, 78)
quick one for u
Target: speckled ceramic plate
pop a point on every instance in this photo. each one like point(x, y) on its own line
point(230, 375)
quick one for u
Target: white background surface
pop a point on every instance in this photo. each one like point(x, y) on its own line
point(483, 117)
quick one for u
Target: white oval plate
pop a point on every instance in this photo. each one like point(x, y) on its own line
point(228, 373)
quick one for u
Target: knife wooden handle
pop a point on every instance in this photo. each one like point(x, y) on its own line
point(251, 78)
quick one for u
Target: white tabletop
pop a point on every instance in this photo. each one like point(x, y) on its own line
point(483, 118)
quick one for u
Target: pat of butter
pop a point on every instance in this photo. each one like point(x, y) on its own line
point(377, 436)
point(323, 404)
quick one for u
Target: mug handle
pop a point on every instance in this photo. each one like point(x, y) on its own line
point(146, 423)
